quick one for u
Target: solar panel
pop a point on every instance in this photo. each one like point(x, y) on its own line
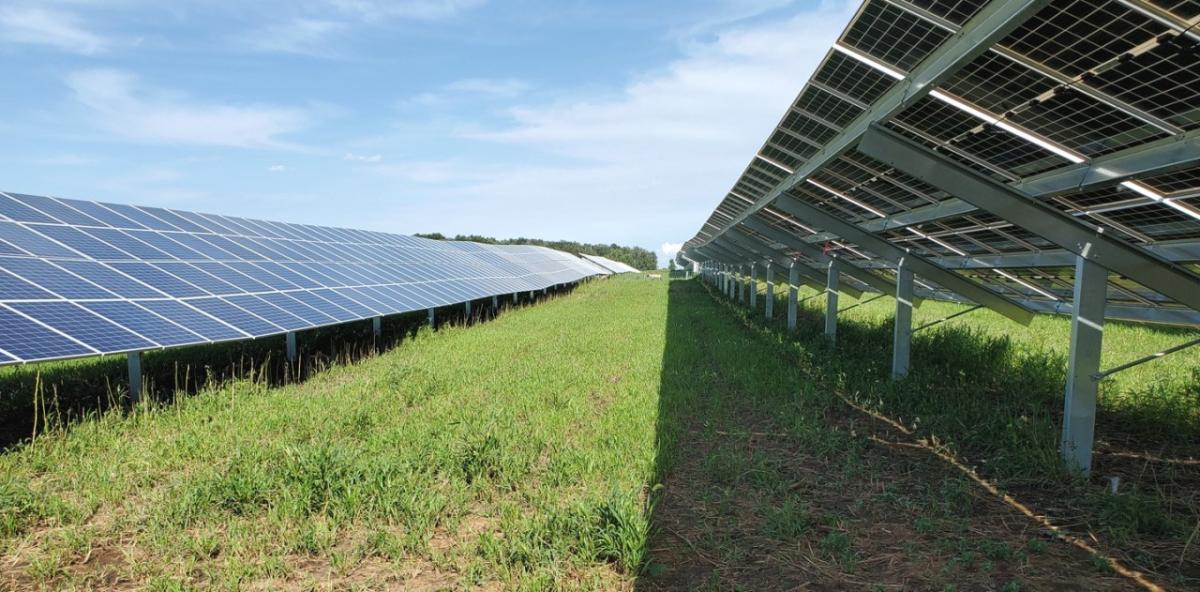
point(1090, 106)
point(610, 265)
point(82, 278)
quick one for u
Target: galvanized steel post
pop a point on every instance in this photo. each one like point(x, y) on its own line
point(753, 285)
point(831, 299)
point(902, 335)
point(1087, 337)
point(770, 298)
point(793, 293)
point(135, 376)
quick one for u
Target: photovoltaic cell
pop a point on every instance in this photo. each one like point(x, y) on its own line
point(84, 326)
point(52, 278)
point(33, 342)
point(190, 317)
point(143, 322)
point(237, 316)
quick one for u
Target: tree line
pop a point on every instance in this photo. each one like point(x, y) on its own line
point(635, 256)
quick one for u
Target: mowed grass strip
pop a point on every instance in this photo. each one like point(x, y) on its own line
point(511, 454)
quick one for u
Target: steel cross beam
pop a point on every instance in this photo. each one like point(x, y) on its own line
point(1054, 225)
point(1178, 251)
point(720, 254)
point(994, 22)
point(852, 270)
point(921, 266)
point(1153, 158)
point(811, 276)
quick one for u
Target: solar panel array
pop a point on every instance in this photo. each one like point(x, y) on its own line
point(609, 264)
point(80, 278)
point(1089, 106)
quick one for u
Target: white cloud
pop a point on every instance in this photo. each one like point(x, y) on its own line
point(33, 25)
point(666, 146)
point(64, 160)
point(277, 168)
point(118, 103)
point(492, 87)
point(377, 10)
point(374, 158)
point(670, 249)
point(304, 36)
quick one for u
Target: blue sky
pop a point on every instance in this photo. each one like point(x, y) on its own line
point(599, 121)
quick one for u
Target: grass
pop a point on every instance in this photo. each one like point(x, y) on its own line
point(457, 457)
point(632, 434)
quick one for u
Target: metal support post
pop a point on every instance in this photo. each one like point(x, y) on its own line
point(753, 286)
point(135, 376)
point(467, 310)
point(741, 288)
point(377, 326)
point(769, 303)
point(1087, 337)
point(902, 336)
point(495, 303)
point(432, 324)
point(793, 293)
point(291, 345)
point(831, 299)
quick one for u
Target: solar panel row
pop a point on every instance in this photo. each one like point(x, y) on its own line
point(610, 265)
point(81, 278)
point(1092, 106)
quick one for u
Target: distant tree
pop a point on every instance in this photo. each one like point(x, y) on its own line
point(635, 256)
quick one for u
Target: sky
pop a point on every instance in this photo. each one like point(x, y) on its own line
point(612, 121)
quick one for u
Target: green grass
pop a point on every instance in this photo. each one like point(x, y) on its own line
point(514, 451)
point(630, 434)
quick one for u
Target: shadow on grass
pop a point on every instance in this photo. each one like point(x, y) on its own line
point(55, 395)
point(993, 401)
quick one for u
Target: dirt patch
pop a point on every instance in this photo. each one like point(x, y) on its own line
point(862, 515)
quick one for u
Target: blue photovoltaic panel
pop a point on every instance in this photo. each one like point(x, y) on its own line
point(81, 241)
point(159, 279)
point(32, 242)
point(143, 322)
point(325, 306)
point(113, 280)
point(15, 288)
point(269, 312)
point(237, 316)
point(32, 342)
point(231, 276)
point(57, 210)
point(356, 309)
point(196, 321)
point(15, 210)
point(126, 242)
point(54, 279)
point(295, 307)
point(82, 325)
point(121, 278)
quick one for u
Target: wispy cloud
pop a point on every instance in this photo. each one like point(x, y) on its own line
point(377, 10)
point(670, 249)
point(118, 103)
point(665, 146)
point(33, 25)
point(374, 158)
point(303, 36)
point(64, 160)
point(492, 87)
point(277, 168)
